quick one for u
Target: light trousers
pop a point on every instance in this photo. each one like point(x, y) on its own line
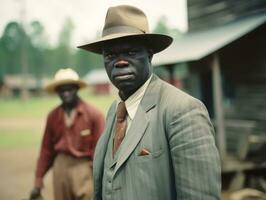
point(72, 178)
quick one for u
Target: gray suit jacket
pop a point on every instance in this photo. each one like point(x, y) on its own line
point(183, 162)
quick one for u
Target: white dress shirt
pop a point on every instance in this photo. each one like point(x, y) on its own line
point(132, 103)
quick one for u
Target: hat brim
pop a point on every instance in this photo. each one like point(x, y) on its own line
point(53, 85)
point(157, 42)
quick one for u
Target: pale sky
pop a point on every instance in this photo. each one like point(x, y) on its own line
point(87, 15)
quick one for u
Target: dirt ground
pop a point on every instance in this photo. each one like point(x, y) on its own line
point(17, 175)
point(17, 166)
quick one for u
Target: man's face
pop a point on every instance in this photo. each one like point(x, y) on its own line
point(128, 65)
point(67, 93)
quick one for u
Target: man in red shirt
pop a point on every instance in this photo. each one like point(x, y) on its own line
point(69, 140)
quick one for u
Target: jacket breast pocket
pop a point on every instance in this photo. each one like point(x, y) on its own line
point(85, 132)
point(149, 156)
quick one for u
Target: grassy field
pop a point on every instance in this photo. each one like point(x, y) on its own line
point(39, 106)
point(22, 123)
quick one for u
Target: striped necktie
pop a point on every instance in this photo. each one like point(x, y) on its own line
point(120, 126)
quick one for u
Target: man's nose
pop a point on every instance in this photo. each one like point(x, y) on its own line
point(121, 63)
point(66, 93)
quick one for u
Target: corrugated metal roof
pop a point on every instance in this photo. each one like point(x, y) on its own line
point(194, 46)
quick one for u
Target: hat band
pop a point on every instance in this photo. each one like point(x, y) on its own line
point(121, 29)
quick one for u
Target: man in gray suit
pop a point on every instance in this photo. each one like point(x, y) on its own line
point(158, 143)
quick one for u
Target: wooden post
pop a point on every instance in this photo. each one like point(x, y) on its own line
point(218, 105)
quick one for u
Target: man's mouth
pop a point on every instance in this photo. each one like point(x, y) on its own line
point(123, 77)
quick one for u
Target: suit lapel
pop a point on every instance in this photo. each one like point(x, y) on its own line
point(139, 123)
point(134, 134)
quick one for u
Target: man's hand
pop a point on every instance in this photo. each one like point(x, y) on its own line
point(35, 193)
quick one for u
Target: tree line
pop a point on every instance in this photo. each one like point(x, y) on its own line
point(44, 60)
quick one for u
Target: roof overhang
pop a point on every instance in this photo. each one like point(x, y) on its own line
point(197, 45)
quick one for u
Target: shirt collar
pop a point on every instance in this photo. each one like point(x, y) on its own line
point(132, 103)
point(79, 108)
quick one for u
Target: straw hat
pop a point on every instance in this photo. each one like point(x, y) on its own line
point(63, 77)
point(126, 21)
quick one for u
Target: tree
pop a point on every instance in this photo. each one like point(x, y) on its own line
point(162, 27)
point(36, 52)
point(86, 61)
point(43, 59)
point(10, 48)
point(63, 51)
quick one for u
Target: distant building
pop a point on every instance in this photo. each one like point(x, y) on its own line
point(98, 80)
point(12, 84)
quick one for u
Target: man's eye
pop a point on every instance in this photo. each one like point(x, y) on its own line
point(109, 55)
point(132, 53)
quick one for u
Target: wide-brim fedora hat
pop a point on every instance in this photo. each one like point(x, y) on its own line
point(128, 22)
point(64, 77)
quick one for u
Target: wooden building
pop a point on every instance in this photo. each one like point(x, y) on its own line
point(98, 80)
point(12, 85)
point(227, 71)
